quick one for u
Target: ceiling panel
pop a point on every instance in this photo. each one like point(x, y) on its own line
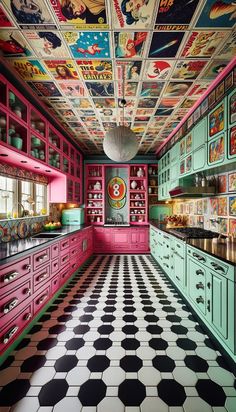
point(81, 57)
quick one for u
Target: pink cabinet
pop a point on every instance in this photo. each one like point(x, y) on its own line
point(12, 275)
point(121, 240)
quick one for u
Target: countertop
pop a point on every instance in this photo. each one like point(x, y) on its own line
point(223, 250)
point(10, 249)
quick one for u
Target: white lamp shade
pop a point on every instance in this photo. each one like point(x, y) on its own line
point(120, 144)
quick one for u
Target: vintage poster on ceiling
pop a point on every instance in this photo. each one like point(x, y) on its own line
point(47, 44)
point(90, 45)
point(30, 69)
point(95, 69)
point(132, 14)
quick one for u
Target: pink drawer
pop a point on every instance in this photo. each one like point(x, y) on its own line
point(64, 259)
point(74, 252)
point(73, 240)
point(54, 250)
point(10, 304)
point(12, 330)
point(41, 299)
point(55, 284)
point(64, 275)
point(55, 266)
point(64, 244)
point(12, 275)
point(73, 265)
point(40, 258)
point(41, 277)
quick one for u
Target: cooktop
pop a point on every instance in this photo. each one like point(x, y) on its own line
point(193, 233)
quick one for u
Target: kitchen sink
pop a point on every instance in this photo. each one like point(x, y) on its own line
point(46, 235)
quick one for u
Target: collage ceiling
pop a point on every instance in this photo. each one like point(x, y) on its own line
point(75, 55)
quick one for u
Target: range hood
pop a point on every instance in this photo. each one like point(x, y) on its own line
point(192, 191)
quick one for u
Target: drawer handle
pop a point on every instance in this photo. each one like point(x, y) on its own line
point(199, 272)
point(10, 276)
point(166, 257)
point(199, 285)
point(209, 285)
point(27, 316)
point(178, 245)
point(217, 267)
point(28, 267)
point(42, 257)
point(177, 277)
point(208, 305)
point(73, 252)
point(166, 237)
point(42, 276)
point(177, 254)
point(201, 258)
point(74, 265)
point(65, 258)
point(64, 244)
point(42, 298)
point(55, 264)
point(200, 299)
point(9, 334)
point(27, 291)
point(10, 305)
point(74, 238)
point(55, 281)
point(55, 248)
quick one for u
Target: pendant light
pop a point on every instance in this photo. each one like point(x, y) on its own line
point(120, 143)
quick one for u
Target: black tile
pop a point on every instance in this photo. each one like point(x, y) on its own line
point(47, 343)
point(35, 329)
point(179, 329)
point(173, 318)
point(90, 309)
point(81, 329)
point(64, 318)
point(151, 318)
point(130, 344)
point(129, 318)
point(52, 392)
point(131, 363)
point(54, 330)
point(102, 343)
point(7, 362)
point(98, 363)
point(70, 308)
point(130, 329)
point(132, 392)
point(163, 363)
point(223, 363)
point(105, 329)
point(171, 392)
point(108, 318)
point(33, 363)
point(196, 363)
point(158, 344)
point(154, 329)
point(86, 318)
point(211, 392)
point(23, 343)
point(14, 392)
point(74, 343)
point(186, 344)
point(66, 363)
point(108, 309)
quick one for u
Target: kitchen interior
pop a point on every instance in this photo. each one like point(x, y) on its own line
point(118, 206)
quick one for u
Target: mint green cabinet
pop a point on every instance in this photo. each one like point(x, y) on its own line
point(217, 298)
point(200, 134)
point(199, 158)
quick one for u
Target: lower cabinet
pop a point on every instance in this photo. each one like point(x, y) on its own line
point(27, 284)
point(121, 240)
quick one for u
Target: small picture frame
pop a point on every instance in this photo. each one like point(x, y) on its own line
point(190, 121)
point(220, 89)
point(229, 81)
point(232, 182)
point(204, 106)
point(197, 114)
point(212, 98)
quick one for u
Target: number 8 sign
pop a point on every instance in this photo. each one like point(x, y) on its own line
point(116, 188)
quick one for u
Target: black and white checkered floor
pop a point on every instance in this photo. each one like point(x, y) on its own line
point(118, 339)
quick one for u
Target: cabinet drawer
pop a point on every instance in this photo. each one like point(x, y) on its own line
point(41, 258)
point(55, 284)
point(64, 244)
point(54, 250)
point(55, 266)
point(64, 274)
point(73, 265)
point(10, 304)
point(40, 277)
point(42, 298)
point(12, 275)
point(74, 251)
point(64, 259)
point(73, 240)
point(179, 247)
point(10, 331)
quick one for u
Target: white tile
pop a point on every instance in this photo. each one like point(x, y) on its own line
point(146, 353)
point(221, 376)
point(169, 336)
point(113, 376)
point(149, 376)
point(185, 376)
point(151, 391)
point(26, 404)
point(176, 353)
point(112, 391)
point(65, 336)
point(73, 391)
point(70, 404)
point(206, 353)
point(115, 352)
point(230, 404)
point(109, 404)
point(85, 352)
point(196, 404)
point(153, 404)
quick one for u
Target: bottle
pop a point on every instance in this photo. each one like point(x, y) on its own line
point(203, 181)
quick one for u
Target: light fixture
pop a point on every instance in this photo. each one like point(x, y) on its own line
point(120, 143)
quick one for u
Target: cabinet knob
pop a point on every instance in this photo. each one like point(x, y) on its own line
point(42, 258)
point(27, 291)
point(218, 267)
point(199, 272)
point(10, 276)
point(28, 267)
point(42, 276)
point(9, 334)
point(200, 299)
point(42, 298)
point(208, 305)
point(10, 305)
point(199, 285)
point(27, 316)
point(199, 257)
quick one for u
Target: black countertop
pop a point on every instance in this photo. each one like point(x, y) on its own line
point(12, 249)
point(220, 249)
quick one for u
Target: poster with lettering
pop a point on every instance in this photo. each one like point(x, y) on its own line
point(30, 69)
point(133, 14)
point(47, 89)
point(202, 43)
point(151, 89)
point(129, 70)
point(228, 51)
point(81, 14)
point(127, 88)
point(62, 69)
point(129, 44)
point(175, 13)
point(158, 69)
point(217, 13)
point(88, 45)
point(72, 88)
point(104, 103)
point(165, 44)
point(198, 89)
point(214, 69)
point(100, 89)
point(13, 44)
point(95, 69)
point(30, 14)
point(47, 44)
point(4, 19)
point(188, 69)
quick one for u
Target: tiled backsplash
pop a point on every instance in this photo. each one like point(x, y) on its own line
point(14, 229)
point(216, 213)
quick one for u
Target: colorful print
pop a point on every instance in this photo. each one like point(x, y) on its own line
point(100, 89)
point(189, 141)
point(72, 88)
point(216, 120)
point(222, 184)
point(177, 88)
point(86, 14)
point(214, 206)
point(158, 69)
point(132, 14)
point(47, 89)
point(214, 69)
point(222, 206)
point(129, 45)
point(220, 89)
point(232, 141)
point(232, 205)
point(202, 44)
point(165, 44)
point(216, 150)
point(151, 89)
point(62, 69)
point(228, 51)
point(188, 70)
point(199, 207)
point(4, 20)
point(13, 44)
point(182, 147)
point(232, 182)
point(30, 69)
point(217, 14)
point(88, 45)
point(173, 12)
point(188, 166)
point(30, 16)
point(232, 225)
point(223, 225)
point(232, 108)
point(47, 44)
point(128, 70)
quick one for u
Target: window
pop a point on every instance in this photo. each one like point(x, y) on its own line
point(21, 198)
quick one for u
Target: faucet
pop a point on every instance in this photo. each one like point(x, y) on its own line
point(119, 217)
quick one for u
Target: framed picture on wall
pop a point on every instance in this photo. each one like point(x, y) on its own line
point(232, 108)
point(232, 141)
point(204, 106)
point(222, 184)
point(229, 81)
point(232, 182)
point(232, 205)
point(196, 114)
point(220, 89)
point(212, 98)
point(217, 120)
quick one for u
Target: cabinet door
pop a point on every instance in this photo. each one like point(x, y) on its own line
point(217, 303)
point(120, 239)
point(179, 270)
point(200, 134)
point(199, 158)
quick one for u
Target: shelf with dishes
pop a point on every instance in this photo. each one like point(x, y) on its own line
point(94, 194)
point(152, 184)
point(138, 194)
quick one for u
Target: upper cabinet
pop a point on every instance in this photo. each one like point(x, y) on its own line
point(26, 131)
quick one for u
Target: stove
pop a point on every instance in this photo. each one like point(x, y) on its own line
point(193, 233)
